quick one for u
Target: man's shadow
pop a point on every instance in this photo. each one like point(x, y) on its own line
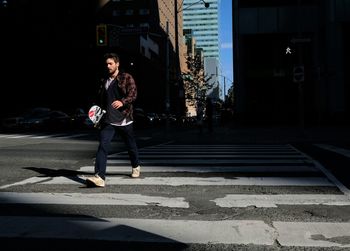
point(77, 176)
point(52, 173)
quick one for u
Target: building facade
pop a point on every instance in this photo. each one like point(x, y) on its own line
point(144, 33)
point(291, 61)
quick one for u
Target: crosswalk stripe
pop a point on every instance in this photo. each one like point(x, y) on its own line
point(273, 200)
point(210, 156)
point(8, 135)
point(230, 200)
point(43, 136)
point(313, 234)
point(213, 155)
point(211, 181)
point(140, 230)
point(55, 136)
point(209, 161)
point(241, 232)
point(223, 152)
point(227, 146)
point(213, 168)
point(91, 199)
point(18, 136)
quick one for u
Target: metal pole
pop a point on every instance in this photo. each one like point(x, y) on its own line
point(300, 62)
point(176, 12)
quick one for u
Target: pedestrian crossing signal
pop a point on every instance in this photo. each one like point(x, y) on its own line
point(101, 35)
point(298, 74)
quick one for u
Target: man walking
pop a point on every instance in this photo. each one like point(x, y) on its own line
point(116, 96)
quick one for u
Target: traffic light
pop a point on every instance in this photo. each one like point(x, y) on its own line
point(101, 35)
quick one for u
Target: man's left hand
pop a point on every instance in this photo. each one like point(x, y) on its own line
point(117, 104)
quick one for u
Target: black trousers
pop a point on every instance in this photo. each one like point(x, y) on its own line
point(107, 133)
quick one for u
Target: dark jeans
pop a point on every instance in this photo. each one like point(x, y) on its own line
point(106, 136)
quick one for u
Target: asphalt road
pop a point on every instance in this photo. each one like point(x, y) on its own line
point(226, 190)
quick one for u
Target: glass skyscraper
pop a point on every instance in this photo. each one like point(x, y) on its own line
point(204, 23)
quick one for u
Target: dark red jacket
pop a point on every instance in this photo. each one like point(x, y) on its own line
point(127, 92)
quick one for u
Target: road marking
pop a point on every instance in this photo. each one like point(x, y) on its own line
point(329, 175)
point(139, 230)
point(91, 199)
point(205, 169)
point(313, 234)
point(48, 136)
point(230, 200)
point(332, 148)
point(272, 200)
point(210, 155)
point(202, 161)
point(43, 136)
point(239, 232)
point(19, 136)
point(55, 136)
point(8, 135)
point(205, 181)
point(144, 151)
point(226, 146)
point(30, 180)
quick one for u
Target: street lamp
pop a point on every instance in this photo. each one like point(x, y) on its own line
point(206, 5)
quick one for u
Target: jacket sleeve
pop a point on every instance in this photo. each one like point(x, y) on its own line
point(130, 89)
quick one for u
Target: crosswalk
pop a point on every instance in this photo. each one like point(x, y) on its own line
point(259, 194)
point(43, 135)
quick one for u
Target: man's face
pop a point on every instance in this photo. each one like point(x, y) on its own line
point(112, 66)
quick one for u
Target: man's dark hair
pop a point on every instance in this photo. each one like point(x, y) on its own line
point(114, 56)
